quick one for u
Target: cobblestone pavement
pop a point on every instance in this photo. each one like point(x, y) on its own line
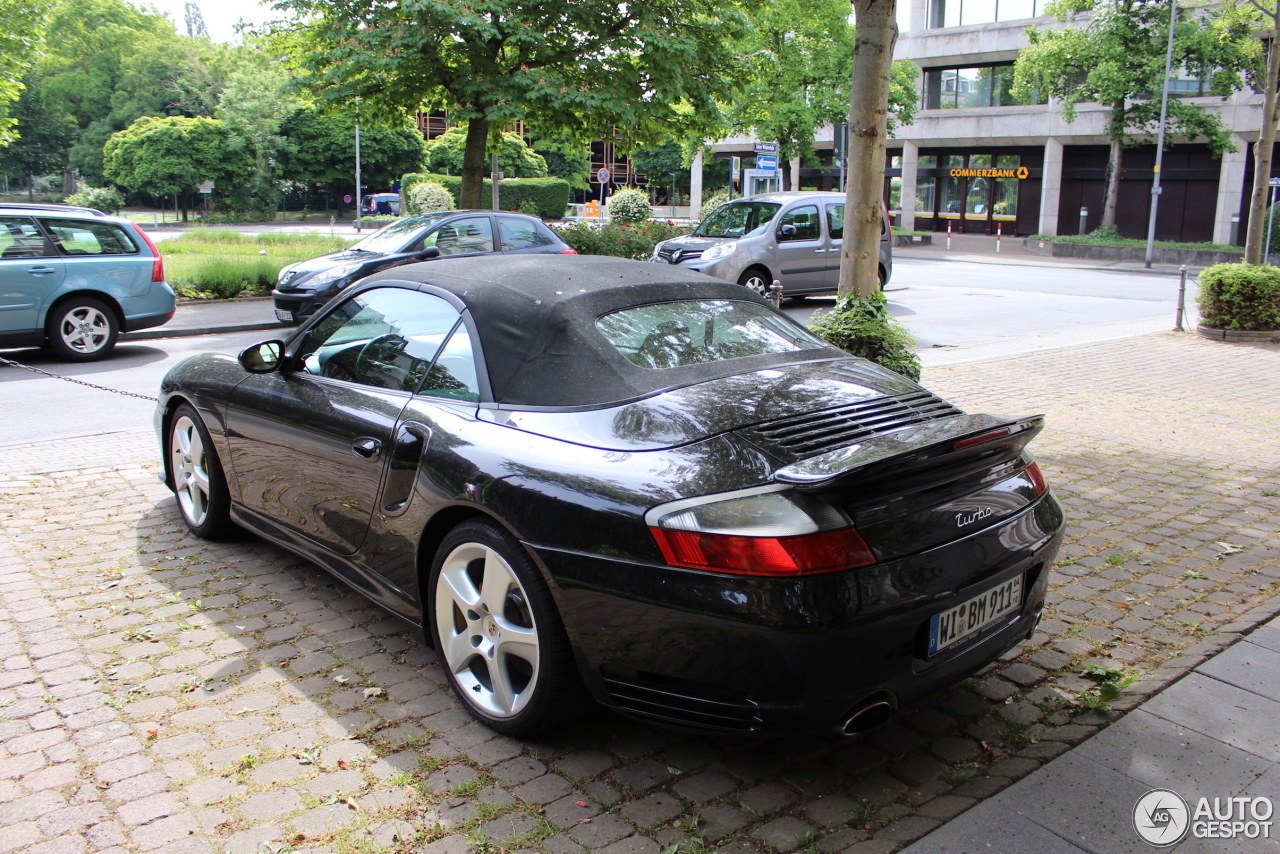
point(162, 694)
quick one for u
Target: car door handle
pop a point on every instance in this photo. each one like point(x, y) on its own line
point(819, 251)
point(366, 447)
point(41, 271)
point(406, 454)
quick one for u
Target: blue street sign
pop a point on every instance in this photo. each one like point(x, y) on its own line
point(763, 162)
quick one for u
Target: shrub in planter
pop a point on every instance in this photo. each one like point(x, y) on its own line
point(430, 197)
point(106, 199)
point(629, 206)
point(1240, 297)
point(621, 240)
point(864, 327)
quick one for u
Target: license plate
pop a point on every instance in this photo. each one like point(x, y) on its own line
point(285, 316)
point(968, 618)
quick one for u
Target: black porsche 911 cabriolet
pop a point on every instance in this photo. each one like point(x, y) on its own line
point(589, 474)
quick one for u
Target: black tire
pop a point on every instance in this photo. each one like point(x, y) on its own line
point(196, 472)
point(756, 279)
point(82, 329)
point(881, 277)
point(540, 693)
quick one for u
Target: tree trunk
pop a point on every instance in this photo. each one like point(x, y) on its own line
point(473, 165)
point(786, 173)
point(1256, 236)
point(31, 186)
point(1114, 165)
point(868, 116)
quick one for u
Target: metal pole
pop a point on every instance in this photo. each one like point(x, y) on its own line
point(999, 231)
point(1164, 121)
point(1182, 292)
point(358, 199)
point(493, 179)
point(1084, 219)
point(1271, 224)
point(948, 235)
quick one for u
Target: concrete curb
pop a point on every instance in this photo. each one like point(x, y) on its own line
point(160, 332)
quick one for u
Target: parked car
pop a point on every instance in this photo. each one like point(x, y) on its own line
point(73, 279)
point(793, 237)
point(306, 286)
point(384, 204)
point(630, 478)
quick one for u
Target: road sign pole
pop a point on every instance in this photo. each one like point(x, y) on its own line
point(1271, 220)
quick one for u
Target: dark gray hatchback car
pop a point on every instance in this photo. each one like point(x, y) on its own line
point(304, 287)
point(794, 237)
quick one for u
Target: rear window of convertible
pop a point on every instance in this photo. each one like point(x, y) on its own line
point(691, 332)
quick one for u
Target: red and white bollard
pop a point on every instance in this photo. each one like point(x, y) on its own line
point(948, 235)
point(999, 229)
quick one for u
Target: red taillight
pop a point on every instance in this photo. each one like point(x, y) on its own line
point(808, 554)
point(569, 252)
point(982, 439)
point(157, 263)
point(1037, 478)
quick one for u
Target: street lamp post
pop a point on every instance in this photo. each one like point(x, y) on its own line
point(1164, 121)
point(358, 199)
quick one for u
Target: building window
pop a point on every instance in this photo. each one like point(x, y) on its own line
point(976, 86)
point(964, 13)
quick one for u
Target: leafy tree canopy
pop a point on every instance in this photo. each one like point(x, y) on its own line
point(22, 27)
point(174, 154)
point(42, 137)
point(515, 159)
point(322, 151)
point(581, 67)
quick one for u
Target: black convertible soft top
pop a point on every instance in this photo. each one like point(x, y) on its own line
point(536, 315)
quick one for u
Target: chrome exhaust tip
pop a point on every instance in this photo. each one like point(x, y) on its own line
point(871, 714)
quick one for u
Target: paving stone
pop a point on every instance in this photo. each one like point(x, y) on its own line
point(269, 805)
point(509, 828)
point(600, 831)
point(569, 810)
point(717, 821)
point(652, 810)
point(704, 787)
point(784, 834)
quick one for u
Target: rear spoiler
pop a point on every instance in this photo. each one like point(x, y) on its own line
point(960, 442)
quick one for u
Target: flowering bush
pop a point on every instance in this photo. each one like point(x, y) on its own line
point(430, 197)
point(712, 204)
point(629, 206)
point(621, 240)
point(106, 199)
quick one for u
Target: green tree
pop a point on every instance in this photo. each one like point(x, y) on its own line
point(254, 105)
point(566, 158)
point(171, 155)
point(22, 28)
point(1117, 59)
point(1251, 26)
point(42, 139)
point(570, 66)
point(322, 151)
point(797, 60)
point(515, 159)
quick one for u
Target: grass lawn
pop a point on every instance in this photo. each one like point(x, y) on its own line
point(209, 264)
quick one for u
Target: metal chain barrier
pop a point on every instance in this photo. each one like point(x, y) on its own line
point(4, 361)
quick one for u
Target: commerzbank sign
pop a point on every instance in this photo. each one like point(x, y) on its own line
point(1020, 173)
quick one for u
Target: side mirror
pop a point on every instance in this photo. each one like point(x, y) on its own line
point(428, 253)
point(787, 231)
point(262, 358)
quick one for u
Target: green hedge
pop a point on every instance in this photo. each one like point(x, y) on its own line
point(1240, 296)
point(621, 240)
point(544, 197)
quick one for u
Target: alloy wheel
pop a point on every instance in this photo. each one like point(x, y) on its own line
point(190, 470)
point(756, 282)
point(85, 329)
point(488, 638)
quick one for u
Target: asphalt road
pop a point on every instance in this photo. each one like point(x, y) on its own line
point(957, 310)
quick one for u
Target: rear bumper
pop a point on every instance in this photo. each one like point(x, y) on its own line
point(785, 657)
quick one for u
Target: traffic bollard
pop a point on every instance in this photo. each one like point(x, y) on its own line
point(1182, 293)
point(775, 293)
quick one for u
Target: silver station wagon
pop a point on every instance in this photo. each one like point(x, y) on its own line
point(794, 237)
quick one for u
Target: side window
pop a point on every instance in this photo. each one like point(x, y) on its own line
point(465, 236)
point(453, 376)
point(384, 338)
point(520, 234)
point(19, 238)
point(82, 237)
point(835, 221)
point(805, 220)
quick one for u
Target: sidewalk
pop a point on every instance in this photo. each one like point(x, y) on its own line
point(165, 695)
point(981, 249)
point(206, 318)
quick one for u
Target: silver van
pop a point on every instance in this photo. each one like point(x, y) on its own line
point(794, 237)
